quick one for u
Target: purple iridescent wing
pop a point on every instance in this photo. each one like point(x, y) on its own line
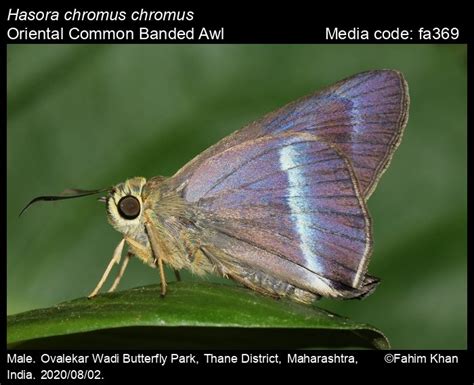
point(364, 116)
point(294, 197)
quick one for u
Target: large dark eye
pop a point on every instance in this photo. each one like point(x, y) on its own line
point(129, 207)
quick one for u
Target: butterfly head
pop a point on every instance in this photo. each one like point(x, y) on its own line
point(125, 206)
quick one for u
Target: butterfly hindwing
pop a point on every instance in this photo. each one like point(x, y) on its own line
point(293, 197)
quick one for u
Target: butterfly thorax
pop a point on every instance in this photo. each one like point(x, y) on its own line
point(172, 223)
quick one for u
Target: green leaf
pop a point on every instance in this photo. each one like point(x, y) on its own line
point(192, 315)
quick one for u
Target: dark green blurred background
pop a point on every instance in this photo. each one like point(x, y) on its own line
point(91, 116)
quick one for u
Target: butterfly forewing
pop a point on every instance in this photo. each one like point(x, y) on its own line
point(294, 197)
point(364, 116)
point(287, 192)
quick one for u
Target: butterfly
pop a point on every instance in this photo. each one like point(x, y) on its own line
point(279, 206)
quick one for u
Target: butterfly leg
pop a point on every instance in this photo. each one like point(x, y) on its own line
point(121, 272)
point(158, 252)
point(115, 259)
point(196, 260)
point(162, 277)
